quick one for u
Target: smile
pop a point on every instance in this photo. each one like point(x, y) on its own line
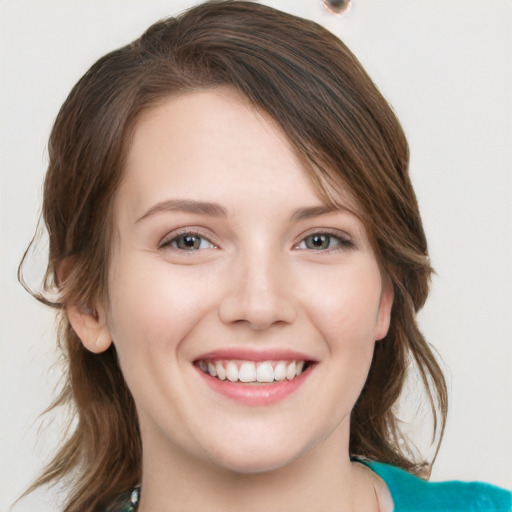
point(251, 371)
point(253, 378)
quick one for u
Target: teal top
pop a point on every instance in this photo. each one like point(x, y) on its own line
point(412, 494)
point(409, 493)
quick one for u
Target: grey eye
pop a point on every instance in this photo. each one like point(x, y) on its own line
point(318, 241)
point(189, 242)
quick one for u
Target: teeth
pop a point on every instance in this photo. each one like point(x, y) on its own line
point(221, 371)
point(265, 372)
point(249, 371)
point(280, 371)
point(232, 371)
point(291, 369)
point(211, 370)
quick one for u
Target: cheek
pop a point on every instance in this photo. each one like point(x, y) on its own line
point(346, 309)
point(151, 308)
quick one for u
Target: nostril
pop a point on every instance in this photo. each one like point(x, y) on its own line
point(256, 312)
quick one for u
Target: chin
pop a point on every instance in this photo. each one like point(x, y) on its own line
point(253, 466)
point(263, 457)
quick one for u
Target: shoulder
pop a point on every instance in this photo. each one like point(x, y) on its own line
point(412, 494)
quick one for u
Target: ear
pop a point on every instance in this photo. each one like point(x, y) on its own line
point(91, 327)
point(384, 312)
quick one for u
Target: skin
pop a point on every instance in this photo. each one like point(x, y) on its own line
point(253, 282)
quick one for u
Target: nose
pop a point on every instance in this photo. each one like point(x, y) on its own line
point(258, 294)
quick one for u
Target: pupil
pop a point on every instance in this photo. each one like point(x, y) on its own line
point(189, 242)
point(319, 241)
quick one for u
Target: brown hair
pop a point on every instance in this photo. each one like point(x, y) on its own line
point(348, 139)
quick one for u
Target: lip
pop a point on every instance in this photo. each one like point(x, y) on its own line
point(247, 354)
point(255, 395)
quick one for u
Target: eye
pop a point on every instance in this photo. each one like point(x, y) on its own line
point(324, 242)
point(188, 241)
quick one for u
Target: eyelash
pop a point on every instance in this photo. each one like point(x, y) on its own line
point(342, 243)
point(173, 237)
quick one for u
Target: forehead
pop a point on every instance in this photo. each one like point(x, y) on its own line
point(196, 139)
point(203, 142)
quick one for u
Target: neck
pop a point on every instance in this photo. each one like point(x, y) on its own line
point(322, 479)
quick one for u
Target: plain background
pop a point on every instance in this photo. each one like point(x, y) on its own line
point(445, 66)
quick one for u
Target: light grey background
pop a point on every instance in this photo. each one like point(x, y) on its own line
point(445, 65)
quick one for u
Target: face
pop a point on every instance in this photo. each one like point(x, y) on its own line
point(244, 312)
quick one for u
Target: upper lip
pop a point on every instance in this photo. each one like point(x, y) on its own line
point(249, 354)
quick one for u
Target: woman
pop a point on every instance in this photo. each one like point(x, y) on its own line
point(239, 258)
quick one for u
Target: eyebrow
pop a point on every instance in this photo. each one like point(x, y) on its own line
point(311, 212)
point(188, 206)
point(213, 209)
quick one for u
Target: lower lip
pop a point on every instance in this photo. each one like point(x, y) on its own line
point(255, 394)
